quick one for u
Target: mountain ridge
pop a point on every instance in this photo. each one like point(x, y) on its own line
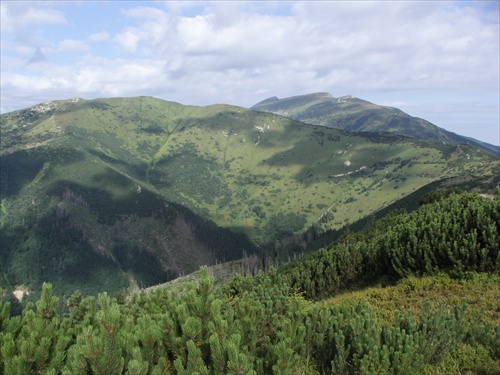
point(355, 114)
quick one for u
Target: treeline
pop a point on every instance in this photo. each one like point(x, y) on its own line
point(269, 324)
point(454, 233)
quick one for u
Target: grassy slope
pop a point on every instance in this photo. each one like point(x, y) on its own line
point(288, 170)
point(120, 171)
point(353, 114)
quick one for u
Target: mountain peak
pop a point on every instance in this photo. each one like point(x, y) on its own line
point(356, 115)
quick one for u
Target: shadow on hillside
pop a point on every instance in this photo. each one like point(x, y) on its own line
point(50, 249)
point(138, 170)
point(54, 246)
point(20, 168)
point(103, 203)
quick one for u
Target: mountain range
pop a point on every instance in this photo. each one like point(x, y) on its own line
point(106, 194)
point(356, 115)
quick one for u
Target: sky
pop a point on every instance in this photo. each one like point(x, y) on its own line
point(438, 60)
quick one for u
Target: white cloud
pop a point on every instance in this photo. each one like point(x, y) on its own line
point(16, 14)
point(72, 45)
point(94, 77)
point(145, 13)
point(118, 77)
point(129, 39)
point(100, 37)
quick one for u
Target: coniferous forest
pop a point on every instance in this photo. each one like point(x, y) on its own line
point(348, 308)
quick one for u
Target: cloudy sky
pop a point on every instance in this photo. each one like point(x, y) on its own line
point(438, 60)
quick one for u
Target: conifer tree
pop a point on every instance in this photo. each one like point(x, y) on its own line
point(146, 338)
point(237, 361)
point(4, 329)
point(194, 364)
point(136, 365)
point(39, 347)
point(101, 345)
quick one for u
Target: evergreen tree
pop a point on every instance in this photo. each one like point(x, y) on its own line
point(101, 345)
point(39, 347)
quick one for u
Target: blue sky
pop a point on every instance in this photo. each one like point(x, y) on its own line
point(435, 60)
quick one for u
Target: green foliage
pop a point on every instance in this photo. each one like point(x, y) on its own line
point(281, 225)
point(250, 326)
point(465, 359)
point(36, 343)
point(102, 344)
point(438, 195)
point(457, 235)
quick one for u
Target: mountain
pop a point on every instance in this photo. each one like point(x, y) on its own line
point(108, 193)
point(357, 115)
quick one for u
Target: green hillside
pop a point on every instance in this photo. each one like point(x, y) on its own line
point(426, 304)
point(111, 193)
point(357, 115)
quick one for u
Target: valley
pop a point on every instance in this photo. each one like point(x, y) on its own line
point(110, 193)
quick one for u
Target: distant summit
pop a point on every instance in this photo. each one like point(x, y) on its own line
point(356, 115)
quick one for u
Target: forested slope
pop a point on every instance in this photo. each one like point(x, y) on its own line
point(270, 324)
point(112, 194)
point(456, 234)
